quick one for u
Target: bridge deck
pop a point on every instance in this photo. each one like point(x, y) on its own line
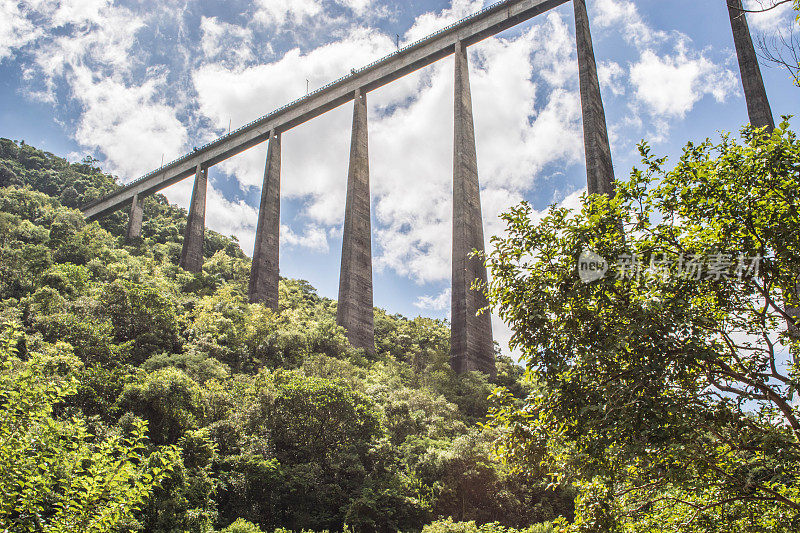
point(479, 26)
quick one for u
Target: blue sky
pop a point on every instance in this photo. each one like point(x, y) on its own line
point(130, 82)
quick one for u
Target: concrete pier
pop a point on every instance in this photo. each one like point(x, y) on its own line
point(192, 252)
point(599, 167)
point(264, 273)
point(354, 311)
point(755, 94)
point(135, 219)
point(471, 344)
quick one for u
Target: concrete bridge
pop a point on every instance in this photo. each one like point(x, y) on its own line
point(471, 334)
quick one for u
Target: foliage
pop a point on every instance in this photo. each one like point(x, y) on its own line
point(54, 474)
point(272, 420)
point(242, 526)
point(667, 397)
point(448, 526)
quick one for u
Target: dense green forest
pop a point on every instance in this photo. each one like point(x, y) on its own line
point(138, 397)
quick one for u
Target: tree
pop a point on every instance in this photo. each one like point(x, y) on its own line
point(142, 316)
point(322, 433)
point(7, 176)
point(55, 476)
point(169, 400)
point(448, 526)
point(666, 393)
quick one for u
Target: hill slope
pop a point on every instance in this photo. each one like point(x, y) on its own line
point(278, 421)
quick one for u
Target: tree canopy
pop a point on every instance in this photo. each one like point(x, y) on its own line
point(666, 389)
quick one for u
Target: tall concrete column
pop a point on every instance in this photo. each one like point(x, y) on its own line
point(354, 311)
point(471, 344)
point(755, 94)
point(135, 219)
point(192, 252)
point(264, 272)
point(599, 168)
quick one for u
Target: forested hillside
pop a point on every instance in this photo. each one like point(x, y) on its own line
point(160, 401)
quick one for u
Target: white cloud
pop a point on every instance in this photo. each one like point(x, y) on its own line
point(501, 331)
point(669, 77)
point(279, 12)
point(430, 22)
point(410, 133)
point(412, 147)
point(622, 13)
point(670, 85)
point(126, 123)
point(612, 77)
point(222, 215)
point(772, 21)
point(224, 40)
point(103, 43)
point(359, 7)
point(440, 302)
point(80, 11)
point(554, 56)
point(134, 105)
point(85, 47)
point(502, 335)
point(231, 218)
point(15, 29)
point(314, 238)
point(125, 116)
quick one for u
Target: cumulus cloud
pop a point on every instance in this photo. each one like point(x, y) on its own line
point(410, 132)
point(136, 102)
point(612, 77)
point(102, 43)
point(670, 85)
point(440, 302)
point(235, 218)
point(80, 11)
point(125, 116)
point(359, 7)
point(413, 147)
point(225, 216)
point(86, 47)
point(127, 123)
point(314, 155)
point(313, 237)
point(670, 75)
point(279, 12)
point(222, 40)
point(15, 29)
point(501, 331)
point(625, 15)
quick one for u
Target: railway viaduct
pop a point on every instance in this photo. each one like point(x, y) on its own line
point(471, 333)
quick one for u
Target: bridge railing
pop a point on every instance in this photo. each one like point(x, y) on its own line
point(298, 101)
